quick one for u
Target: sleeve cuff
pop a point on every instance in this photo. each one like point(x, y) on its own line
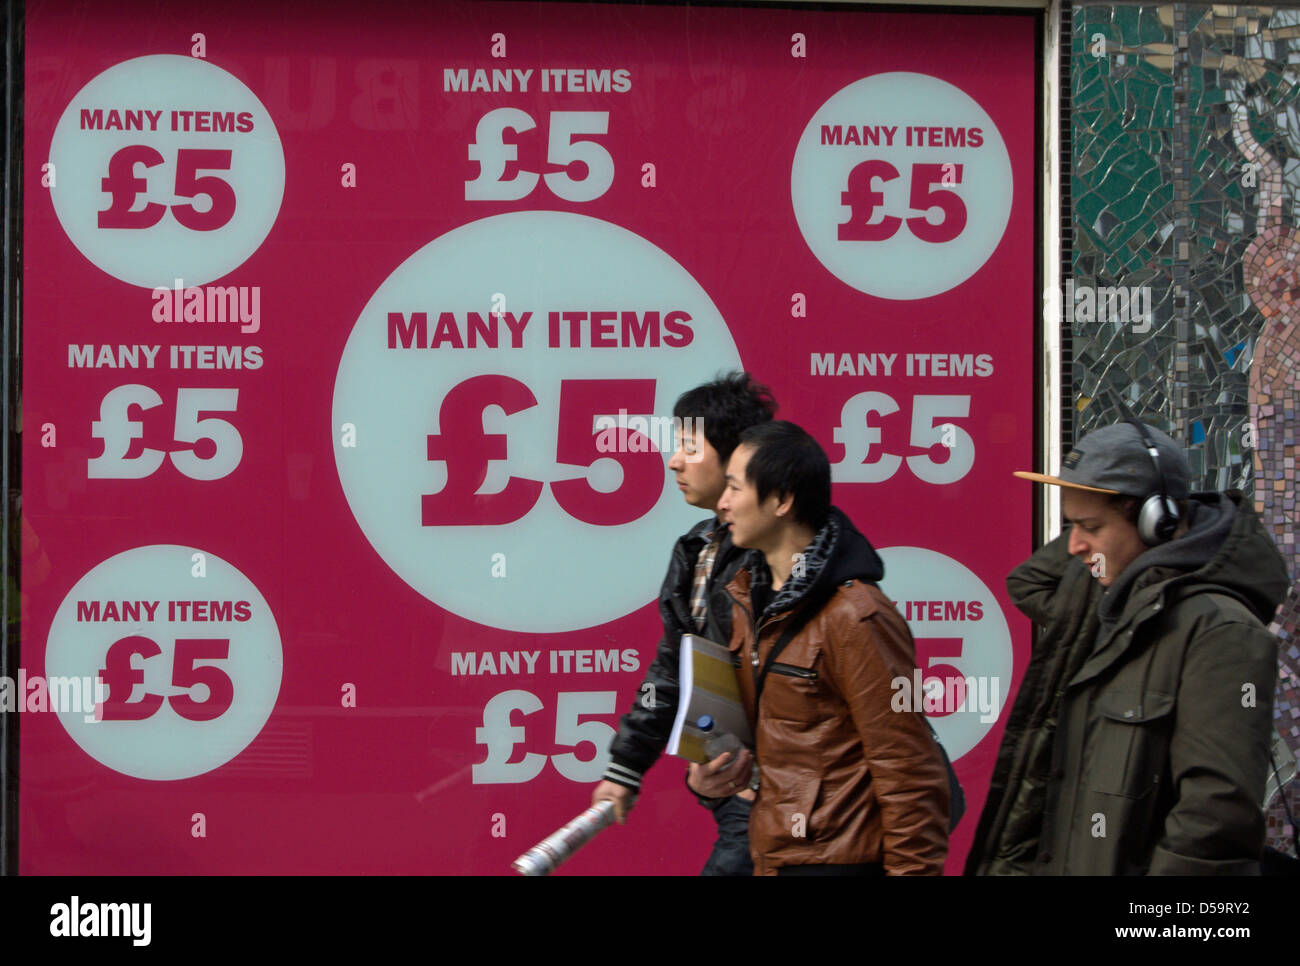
point(623, 775)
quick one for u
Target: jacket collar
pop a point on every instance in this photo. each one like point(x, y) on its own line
point(1224, 546)
point(837, 553)
point(675, 596)
point(697, 537)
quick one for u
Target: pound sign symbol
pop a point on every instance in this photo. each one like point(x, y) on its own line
point(467, 449)
point(124, 186)
point(501, 736)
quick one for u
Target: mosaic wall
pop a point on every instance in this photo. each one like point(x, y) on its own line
point(1186, 295)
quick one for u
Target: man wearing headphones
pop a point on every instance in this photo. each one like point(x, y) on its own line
point(1139, 740)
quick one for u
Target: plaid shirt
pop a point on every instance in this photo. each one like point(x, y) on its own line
point(703, 568)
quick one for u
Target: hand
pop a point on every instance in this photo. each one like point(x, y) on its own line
point(622, 797)
point(721, 777)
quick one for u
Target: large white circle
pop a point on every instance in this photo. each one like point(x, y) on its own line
point(166, 745)
point(547, 571)
point(88, 137)
point(888, 111)
point(935, 594)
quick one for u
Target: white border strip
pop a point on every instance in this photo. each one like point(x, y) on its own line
point(1050, 350)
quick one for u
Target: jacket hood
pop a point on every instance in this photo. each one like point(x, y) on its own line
point(837, 553)
point(1224, 546)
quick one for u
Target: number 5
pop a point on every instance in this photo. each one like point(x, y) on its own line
point(186, 673)
point(190, 185)
point(569, 706)
point(191, 429)
point(925, 176)
point(926, 435)
point(563, 150)
point(643, 467)
point(927, 649)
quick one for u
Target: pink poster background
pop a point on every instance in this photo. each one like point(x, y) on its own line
point(717, 104)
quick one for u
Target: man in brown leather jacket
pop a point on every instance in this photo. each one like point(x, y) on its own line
point(847, 786)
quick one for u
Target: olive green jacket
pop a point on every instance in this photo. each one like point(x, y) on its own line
point(1138, 742)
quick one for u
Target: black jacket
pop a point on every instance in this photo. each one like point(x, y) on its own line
point(643, 731)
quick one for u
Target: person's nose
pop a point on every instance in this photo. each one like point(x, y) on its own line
point(678, 462)
point(1077, 545)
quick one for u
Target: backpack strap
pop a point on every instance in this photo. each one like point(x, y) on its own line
point(956, 796)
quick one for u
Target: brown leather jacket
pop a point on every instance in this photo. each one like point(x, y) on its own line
point(844, 779)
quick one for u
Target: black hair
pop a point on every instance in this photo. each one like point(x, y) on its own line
point(789, 462)
point(725, 408)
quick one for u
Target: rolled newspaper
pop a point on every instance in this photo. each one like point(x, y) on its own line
point(545, 857)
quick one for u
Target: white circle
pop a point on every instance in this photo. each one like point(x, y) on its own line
point(941, 122)
point(546, 571)
point(166, 745)
point(935, 594)
point(145, 92)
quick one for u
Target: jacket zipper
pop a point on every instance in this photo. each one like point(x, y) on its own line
point(757, 629)
point(793, 671)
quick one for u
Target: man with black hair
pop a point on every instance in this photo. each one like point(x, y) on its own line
point(848, 785)
point(1139, 741)
point(711, 418)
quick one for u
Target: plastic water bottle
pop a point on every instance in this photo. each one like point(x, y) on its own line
point(717, 742)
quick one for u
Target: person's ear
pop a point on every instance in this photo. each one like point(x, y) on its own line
point(785, 505)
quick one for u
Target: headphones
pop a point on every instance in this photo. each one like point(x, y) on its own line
point(1158, 518)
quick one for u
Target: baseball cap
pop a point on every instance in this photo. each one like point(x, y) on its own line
point(1114, 459)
